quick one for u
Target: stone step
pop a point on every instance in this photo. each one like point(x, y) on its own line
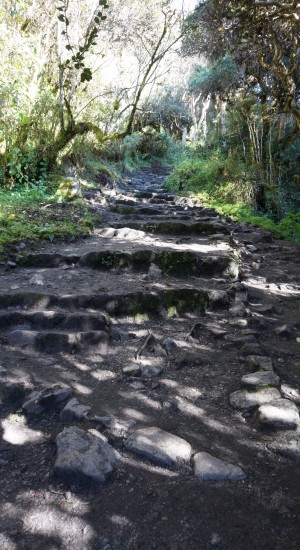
point(130, 304)
point(171, 262)
point(51, 319)
point(174, 227)
point(56, 342)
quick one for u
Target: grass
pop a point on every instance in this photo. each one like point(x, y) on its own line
point(34, 214)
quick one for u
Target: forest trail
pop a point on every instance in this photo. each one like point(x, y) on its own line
point(168, 317)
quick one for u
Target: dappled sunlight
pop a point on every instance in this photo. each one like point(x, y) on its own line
point(81, 388)
point(120, 521)
point(137, 396)
point(279, 289)
point(16, 431)
point(135, 415)
point(103, 375)
point(52, 521)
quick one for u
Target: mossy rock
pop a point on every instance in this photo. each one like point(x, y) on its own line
point(69, 189)
point(141, 259)
point(105, 260)
point(177, 263)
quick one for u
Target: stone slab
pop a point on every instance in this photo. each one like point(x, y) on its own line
point(245, 400)
point(261, 379)
point(159, 446)
point(211, 468)
point(280, 414)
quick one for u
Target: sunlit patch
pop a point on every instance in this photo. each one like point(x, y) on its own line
point(137, 415)
point(280, 289)
point(6, 542)
point(188, 391)
point(80, 388)
point(122, 521)
point(103, 375)
point(142, 398)
point(169, 383)
point(81, 366)
point(16, 432)
point(153, 469)
point(50, 521)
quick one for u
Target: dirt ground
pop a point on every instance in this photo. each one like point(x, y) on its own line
point(145, 505)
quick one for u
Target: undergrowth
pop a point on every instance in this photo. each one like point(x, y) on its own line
point(35, 214)
point(226, 185)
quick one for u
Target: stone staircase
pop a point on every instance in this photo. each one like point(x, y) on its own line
point(148, 324)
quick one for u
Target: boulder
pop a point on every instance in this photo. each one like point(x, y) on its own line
point(83, 457)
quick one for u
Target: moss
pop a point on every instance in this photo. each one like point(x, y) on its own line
point(177, 263)
point(106, 260)
point(124, 210)
point(141, 318)
point(172, 312)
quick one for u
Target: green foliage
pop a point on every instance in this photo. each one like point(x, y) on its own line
point(34, 214)
point(77, 59)
point(289, 227)
point(217, 78)
point(221, 183)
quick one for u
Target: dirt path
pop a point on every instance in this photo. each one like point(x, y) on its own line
point(176, 332)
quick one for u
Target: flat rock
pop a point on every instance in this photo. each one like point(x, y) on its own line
point(280, 414)
point(210, 468)
point(261, 362)
point(261, 379)
point(159, 446)
point(47, 399)
point(133, 369)
point(83, 457)
point(75, 411)
point(245, 400)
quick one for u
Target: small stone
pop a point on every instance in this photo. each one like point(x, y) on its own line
point(83, 457)
point(261, 379)
point(259, 361)
point(280, 414)
point(133, 369)
point(150, 371)
point(75, 411)
point(251, 349)
point(218, 299)
point(238, 310)
point(252, 248)
point(284, 331)
point(160, 352)
point(245, 400)
point(215, 540)
point(154, 272)
point(11, 264)
point(170, 346)
point(159, 446)
point(47, 399)
point(37, 280)
point(210, 468)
